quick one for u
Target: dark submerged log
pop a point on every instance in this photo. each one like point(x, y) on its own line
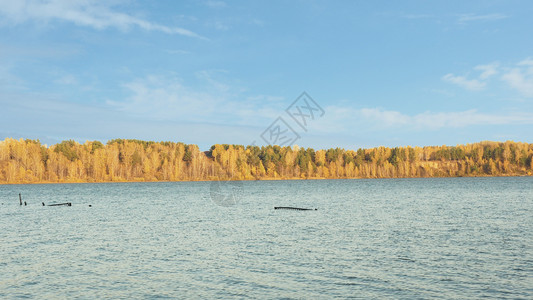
point(61, 204)
point(293, 208)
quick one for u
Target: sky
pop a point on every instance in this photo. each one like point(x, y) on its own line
point(374, 73)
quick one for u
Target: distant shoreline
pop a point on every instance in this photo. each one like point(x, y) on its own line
point(269, 179)
point(120, 160)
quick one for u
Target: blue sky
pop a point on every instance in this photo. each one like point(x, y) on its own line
point(389, 73)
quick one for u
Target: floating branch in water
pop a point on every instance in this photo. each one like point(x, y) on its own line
point(61, 204)
point(293, 208)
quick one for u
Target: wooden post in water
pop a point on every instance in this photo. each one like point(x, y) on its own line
point(20, 199)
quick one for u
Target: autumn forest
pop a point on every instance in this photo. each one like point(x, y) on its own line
point(28, 161)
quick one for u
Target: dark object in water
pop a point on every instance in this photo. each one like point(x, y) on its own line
point(61, 204)
point(293, 208)
point(20, 199)
point(25, 203)
point(42, 203)
point(90, 205)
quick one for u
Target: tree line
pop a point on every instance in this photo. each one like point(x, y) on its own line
point(28, 161)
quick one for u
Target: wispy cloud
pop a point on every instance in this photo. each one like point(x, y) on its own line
point(9, 81)
point(61, 120)
point(265, 98)
point(443, 92)
point(214, 99)
point(403, 15)
point(461, 19)
point(211, 99)
point(469, 84)
point(208, 76)
point(471, 17)
point(385, 117)
point(179, 51)
point(487, 70)
point(520, 77)
point(468, 118)
point(163, 98)
point(215, 4)
point(95, 14)
point(68, 79)
point(417, 16)
point(526, 62)
point(381, 119)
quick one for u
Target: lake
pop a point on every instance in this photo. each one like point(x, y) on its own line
point(377, 238)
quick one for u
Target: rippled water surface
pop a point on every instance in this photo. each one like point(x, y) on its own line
point(391, 238)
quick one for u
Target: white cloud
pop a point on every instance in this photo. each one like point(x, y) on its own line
point(472, 84)
point(526, 62)
point(467, 118)
point(443, 92)
point(463, 18)
point(67, 80)
point(160, 98)
point(377, 117)
point(167, 98)
point(257, 22)
point(417, 16)
point(487, 70)
point(520, 78)
point(95, 14)
point(221, 26)
point(61, 120)
point(9, 81)
point(216, 4)
point(265, 98)
point(179, 51)
point(386, 117)
point(208, 76)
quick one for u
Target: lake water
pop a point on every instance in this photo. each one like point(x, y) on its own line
point(389, 238)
